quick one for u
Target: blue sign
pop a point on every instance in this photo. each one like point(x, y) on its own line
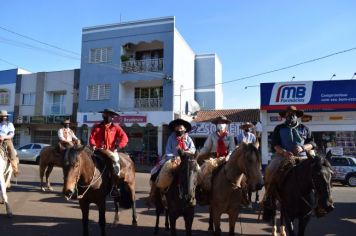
point(312, 95)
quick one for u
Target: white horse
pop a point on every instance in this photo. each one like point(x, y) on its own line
point(5, 176)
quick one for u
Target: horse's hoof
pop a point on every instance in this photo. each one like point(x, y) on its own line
point(9, 215)
point(167, 228)
point(50, 188)
point(210, 229)
point(43, 189)
point(134, 223)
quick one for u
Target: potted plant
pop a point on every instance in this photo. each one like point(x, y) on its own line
point(124, 58)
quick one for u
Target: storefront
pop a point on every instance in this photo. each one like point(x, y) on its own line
point(147, 132)
point(329, 112)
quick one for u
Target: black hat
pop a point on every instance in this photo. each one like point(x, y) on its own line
point(110, 111)
point(299, 113)
point(246, 125)
point(221, 119)
point(178, 121)
point(66, 121)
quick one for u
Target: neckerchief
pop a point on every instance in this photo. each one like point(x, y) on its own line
point(221, 148)
point(181, 142)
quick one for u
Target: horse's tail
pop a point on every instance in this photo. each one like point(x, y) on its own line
point(125, 199)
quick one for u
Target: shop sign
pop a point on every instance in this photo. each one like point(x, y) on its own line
point(125, 119)
point(204, 129)
point(312, 95)
point(336, 117)
point(37, 119)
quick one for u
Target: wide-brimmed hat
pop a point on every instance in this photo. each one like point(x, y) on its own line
point(178, 121)
point(299, 113)
point(246, 125)
point(221, 119)
point(3, 113)
point(66, 121)
point(109, 111)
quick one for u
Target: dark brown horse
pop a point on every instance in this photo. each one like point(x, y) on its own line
point(226, 195)
point(180, 196)
point(50, 157)
point(305, 189)
point(87, 176)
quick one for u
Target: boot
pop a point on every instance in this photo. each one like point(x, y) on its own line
point(14, 166)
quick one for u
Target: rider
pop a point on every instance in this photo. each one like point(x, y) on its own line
point(66, 136)
point(246, 136)
point(290, 140)
point(220, 144)
point(109, 136)
point(178, 140)
point(7, 132)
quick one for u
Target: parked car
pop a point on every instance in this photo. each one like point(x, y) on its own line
point(31, 152)
point(344, 168)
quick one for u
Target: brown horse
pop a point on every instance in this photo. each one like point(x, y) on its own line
point(87, 176)
point(226, 195)
point(50, 157)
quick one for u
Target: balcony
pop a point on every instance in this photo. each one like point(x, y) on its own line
point(147, 104)
point(147, 65)
point(55, 109)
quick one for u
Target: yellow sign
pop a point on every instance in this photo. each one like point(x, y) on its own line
point(336, 117)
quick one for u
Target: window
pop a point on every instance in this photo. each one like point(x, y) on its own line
point(4, 97)
point(339, 162)
point(155, 92)
point(100, 55)
point(98, 92)
point(28, 99)
point(36, 146)
point(28, 146)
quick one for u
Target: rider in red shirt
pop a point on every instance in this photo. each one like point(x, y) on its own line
point(109, 136)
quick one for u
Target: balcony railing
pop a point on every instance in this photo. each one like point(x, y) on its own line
point(147, 65)
point(55, 109)
point(152, 104)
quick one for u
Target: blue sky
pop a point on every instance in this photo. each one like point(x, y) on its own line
point(250, 37)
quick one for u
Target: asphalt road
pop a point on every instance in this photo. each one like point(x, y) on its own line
point(39, 213)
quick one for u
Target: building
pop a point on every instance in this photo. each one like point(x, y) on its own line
point(202, 126)
point(329, 112)
point(43, 100)
point(144, 70)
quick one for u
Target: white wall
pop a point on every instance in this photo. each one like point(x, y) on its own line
point(183, 72)
point(28, 85)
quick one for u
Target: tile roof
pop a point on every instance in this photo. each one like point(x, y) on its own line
point(235, 115)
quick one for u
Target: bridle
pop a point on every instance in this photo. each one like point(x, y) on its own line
point(92, 182)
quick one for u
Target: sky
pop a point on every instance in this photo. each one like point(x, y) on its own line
point(250, 37)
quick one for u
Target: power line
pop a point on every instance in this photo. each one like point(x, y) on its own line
point(10, 63)
point(280, 69)
point(38, 41)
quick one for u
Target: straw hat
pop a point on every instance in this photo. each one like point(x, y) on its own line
point(3, 113)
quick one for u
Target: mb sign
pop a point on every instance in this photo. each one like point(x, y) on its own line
point(291, 93)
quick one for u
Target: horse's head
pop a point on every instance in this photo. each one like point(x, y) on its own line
point(188, 177)
point(248, 161)
point(321, 177)
point(72, 169)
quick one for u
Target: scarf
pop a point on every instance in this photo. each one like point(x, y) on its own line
point(181, 143)
point(294, 135)
point(221, 148)
point(107, 137)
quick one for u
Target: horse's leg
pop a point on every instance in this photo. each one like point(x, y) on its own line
point(117, 214)
point(4, 196)
point(133, 194)
point(42, 171)
point(166, 223)
point(211, 223)
point(84, 206)
point(232, 220)
point(282, 228)
point(48, 172)
point(257, 199)
point(158, 212)
point(274, 225)
point(188, 220)
point(216, 219)
point(102, 221)
point(303, 221)
point(289, 224)
point(172, 221)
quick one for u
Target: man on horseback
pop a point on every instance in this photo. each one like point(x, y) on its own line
point(7, 132)
point(290, 140)
point(109, 136)
point(219, 144)
point(246, 136)
point(178, 140)
point(66, 136)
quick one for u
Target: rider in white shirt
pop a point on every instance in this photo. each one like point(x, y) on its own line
point(66, 136)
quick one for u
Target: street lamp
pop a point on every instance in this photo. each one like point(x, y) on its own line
point(332, 76)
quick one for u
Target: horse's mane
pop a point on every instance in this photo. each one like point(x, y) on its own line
point(246, 150)
point(72, 157)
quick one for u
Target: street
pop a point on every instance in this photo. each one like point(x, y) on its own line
point(39, 213)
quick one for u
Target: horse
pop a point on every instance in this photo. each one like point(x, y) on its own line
point(225, 195)
point(5, 176)
point(180, 195)
point(49, 157)
point(306, 188)
point(87, 175)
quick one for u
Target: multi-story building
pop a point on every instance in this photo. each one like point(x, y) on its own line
point(145, 70)
point(43, 100)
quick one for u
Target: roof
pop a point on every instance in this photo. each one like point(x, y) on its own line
point(235, 115)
